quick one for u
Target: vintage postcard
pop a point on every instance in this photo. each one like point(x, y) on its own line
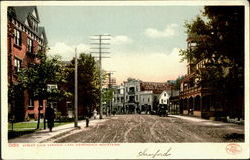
point(125, 79)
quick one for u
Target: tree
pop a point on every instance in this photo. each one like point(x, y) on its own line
point(217, 36)
point(35, 78)
point(88, 81)
point(176, 83)
point(107, 96)
point(218, 40)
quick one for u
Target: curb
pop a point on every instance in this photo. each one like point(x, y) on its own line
point(57, 135)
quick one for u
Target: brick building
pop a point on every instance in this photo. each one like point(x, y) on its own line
point(25, 39)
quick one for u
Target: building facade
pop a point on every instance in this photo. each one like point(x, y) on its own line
point(164, 98)
point(132, 90)
point(25, 39)
point(202, 100)
point(195, 99)
point(118, 99)
point(138, 96)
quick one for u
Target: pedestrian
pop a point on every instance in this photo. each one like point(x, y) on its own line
point(88, 116)
point(50, 115)
point(95, 114)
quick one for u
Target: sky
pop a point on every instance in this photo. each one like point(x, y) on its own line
point(145, 40)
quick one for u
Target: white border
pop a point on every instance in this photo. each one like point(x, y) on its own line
point(125, 150)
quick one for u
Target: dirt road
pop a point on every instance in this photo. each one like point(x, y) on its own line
point(153, 129)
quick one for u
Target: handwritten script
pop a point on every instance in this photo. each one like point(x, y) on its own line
point(156, 154)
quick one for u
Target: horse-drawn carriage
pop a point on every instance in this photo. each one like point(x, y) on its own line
point(163, 110)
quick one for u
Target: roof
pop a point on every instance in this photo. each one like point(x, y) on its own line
point(41, 31)
point(156, 87)
point(22, 12)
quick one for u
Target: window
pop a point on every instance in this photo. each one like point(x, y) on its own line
point(31, 103)
point(148, 99)
point(164, 94)
point(35, 26)
point(17, 64)
point(122, 99)
point(51, 87)
point(17, 37)
point(30, 46)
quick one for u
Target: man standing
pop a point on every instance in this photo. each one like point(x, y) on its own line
point(50, 115)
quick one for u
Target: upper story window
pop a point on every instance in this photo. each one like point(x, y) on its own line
point(192, 45)
point(33, 23)
point(35, 27)
point(122, 99)
point(165, 94)
point(131, 89)
point(17, 64)
point(17, 37)
point(51, 87)
point(30, 45)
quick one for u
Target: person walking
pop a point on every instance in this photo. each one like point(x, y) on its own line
point(50, 116)
point(88, 116)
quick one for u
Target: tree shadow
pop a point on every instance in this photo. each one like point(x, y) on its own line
point(14, 134)
point(235, 137)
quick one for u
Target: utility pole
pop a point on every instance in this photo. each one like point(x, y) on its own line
point(76, 88)
point(99, 42)
point(110, 86)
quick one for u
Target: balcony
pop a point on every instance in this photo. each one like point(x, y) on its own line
point(196, 90)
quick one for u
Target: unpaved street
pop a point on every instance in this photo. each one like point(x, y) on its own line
point(150, 128)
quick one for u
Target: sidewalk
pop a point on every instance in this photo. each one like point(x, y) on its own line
point(203, 121)
point(44, 135)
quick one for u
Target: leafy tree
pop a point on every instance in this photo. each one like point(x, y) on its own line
point(88, 81)
point(176, 83)
point(38, 75)
point(217, 36)
point(107, 95)
point(220, 40)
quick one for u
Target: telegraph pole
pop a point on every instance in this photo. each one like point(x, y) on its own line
point(100, 41)
point(76, 94)
point(110, 86)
